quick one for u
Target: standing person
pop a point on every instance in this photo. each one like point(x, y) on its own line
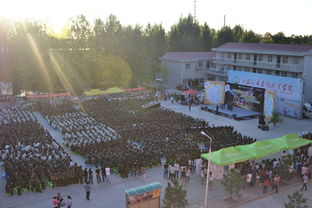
point(98, 175)
point(69, 202)
point(276, 181)
point(85, 174)
point(87, 188)
point(62, 203)
point(103, 172)
point(188, 175)
point(248, 180)
point(107, 171)
point(176, 170)
point(183, 174)
point(266, 183)
point(166, 171)
point(190, 104)
point(171, 173)
point(90, 175)
point(210, 180)
point(202, 175)
point(55, 202)
point(143, 173)
point(305, 183)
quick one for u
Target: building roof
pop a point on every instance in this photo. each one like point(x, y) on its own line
point(180, 56)
point(291, 48)
point(143, 189)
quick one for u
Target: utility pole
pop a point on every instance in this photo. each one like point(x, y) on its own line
point(224, 20)
point(194, 10)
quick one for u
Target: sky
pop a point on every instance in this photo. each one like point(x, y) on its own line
point(288, 16)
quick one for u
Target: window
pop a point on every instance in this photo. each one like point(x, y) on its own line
point(268, 72)
point(270, 58)
point(260, 58)
point(228, 55)
point(248, 57)
point(294, 75)
point(185, 81)
point(246, 70)
point(296, 60)
point(213, 65)
point(277, 73)
point(285, 59)
point(284, 74)
point(201, 80)
point(260, 71)
point(239, 56)
point(200, 64)
point(208, 65)
point(254, 70)
point(187, 66)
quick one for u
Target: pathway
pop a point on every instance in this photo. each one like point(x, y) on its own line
point(58, 136)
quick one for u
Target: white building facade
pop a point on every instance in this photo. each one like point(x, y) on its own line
point(272, 59)
point(187, 68)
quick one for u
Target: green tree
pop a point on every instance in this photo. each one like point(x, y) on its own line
point(232, 182)
point(224, 35)
point(296, 200)
point(207, 37)
point(175, 196)
point(275, 118)
point(250, 37)
point(238, 32)
point(185, 35)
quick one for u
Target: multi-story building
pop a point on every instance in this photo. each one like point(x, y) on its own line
point(273, 59)
point(187, 68)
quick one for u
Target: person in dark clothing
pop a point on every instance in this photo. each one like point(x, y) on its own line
point(87, 188)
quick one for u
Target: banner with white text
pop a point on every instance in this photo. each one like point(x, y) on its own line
point(288, 90)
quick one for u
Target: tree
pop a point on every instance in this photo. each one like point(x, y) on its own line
point(185, 36)
point(238, 31)
point(250, 37)
point(296, 200)
point(224, 35)
point(175, 196)
point(232, 182)
point(207, 37)
point(275, 119)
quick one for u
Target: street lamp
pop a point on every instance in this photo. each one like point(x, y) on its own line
point(208, 168)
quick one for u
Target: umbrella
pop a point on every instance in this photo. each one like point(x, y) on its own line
point(191, 92)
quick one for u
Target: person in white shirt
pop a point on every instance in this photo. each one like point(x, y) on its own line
point(248, 180)
point(107, 171)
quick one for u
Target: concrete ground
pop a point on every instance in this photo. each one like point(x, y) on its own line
point(111, 195)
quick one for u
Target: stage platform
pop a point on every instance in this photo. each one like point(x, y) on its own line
point(237, 113)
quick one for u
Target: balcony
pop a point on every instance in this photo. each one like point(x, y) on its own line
point(261, 64)
point(214, 71)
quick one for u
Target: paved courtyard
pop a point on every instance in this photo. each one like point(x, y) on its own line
point(111, 195)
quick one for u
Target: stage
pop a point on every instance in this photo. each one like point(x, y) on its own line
point(237, 113)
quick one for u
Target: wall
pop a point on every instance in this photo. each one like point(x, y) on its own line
point(307, 76)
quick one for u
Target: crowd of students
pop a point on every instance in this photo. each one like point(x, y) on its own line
point(80, 129)
point(140, 137)
point(32, 159)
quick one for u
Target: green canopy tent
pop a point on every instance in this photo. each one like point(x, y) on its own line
point(227, 156)
point(260, 149)
point(290, 141)
point(112, 90)
point(256, 150)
